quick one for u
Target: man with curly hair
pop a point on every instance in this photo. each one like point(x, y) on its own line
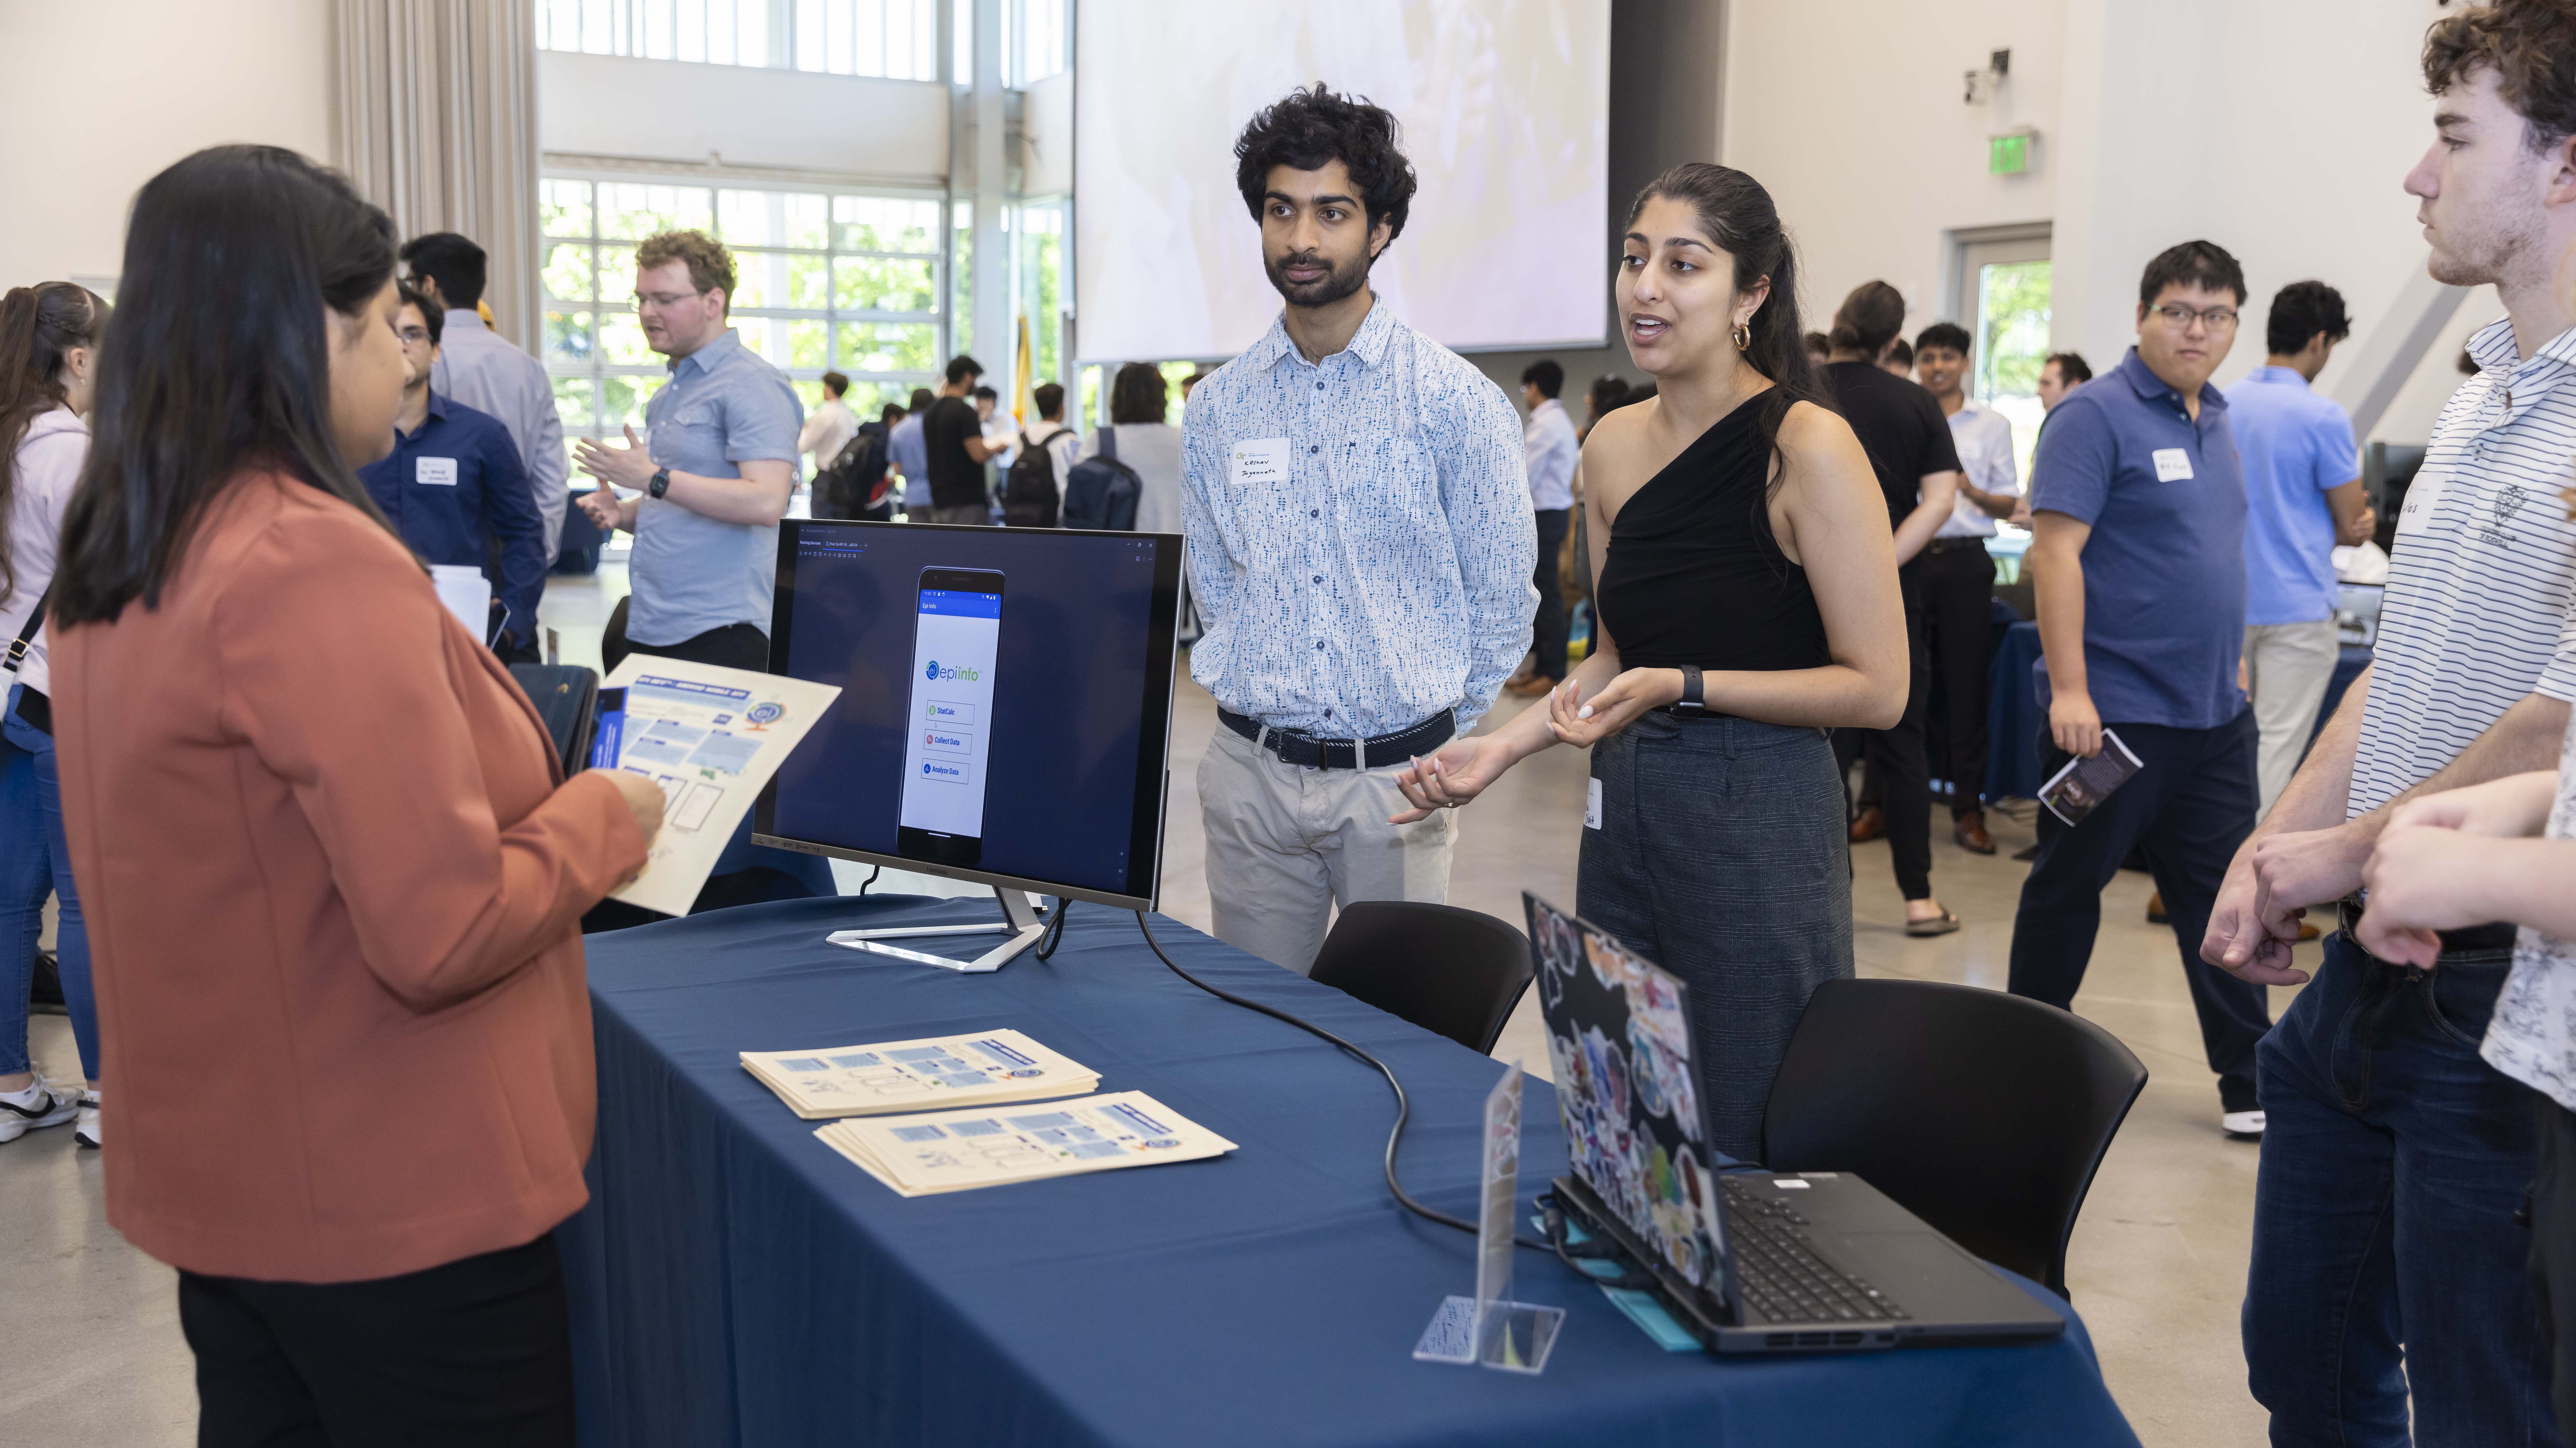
point(1361, 548)
point(2387, 1301)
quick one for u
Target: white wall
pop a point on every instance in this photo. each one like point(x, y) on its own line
point(96, 98)
point(1859, 133)
point(2279, 130)
point(850, 127)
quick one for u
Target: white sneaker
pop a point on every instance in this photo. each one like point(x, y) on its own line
point(41, 1104)
point(85, 1130)
point(2245, 1124)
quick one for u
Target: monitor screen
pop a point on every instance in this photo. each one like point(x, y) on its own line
point(1005, 706)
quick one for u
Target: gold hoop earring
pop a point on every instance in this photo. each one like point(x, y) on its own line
point(1743, 336)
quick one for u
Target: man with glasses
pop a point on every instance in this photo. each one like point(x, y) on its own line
point(2139, 559)
point(712, 475)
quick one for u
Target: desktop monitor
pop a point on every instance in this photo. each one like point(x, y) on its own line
point(1006, 703)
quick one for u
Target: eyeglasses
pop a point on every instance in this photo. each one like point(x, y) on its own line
point(663, 299)
point(2180, 318)
point(410, 335)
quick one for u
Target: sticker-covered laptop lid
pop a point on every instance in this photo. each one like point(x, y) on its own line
point(1636, 1132)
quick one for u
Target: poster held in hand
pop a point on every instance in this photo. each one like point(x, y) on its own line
point(1490, 1329)
point(711, 738)
point(2079, 788)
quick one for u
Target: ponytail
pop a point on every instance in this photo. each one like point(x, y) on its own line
point(39, 327)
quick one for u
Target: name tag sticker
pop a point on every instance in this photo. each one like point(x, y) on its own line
point(1592, 807)
point(1261, 461)
point(2422, 496)
point(440, 472)
point(2173, 465)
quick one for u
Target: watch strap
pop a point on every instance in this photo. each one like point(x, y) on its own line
point(1691, 701)
point(660, 484)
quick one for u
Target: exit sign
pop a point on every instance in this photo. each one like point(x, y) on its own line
point(2008, 154)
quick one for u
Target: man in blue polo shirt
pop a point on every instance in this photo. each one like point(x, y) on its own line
point(2303, 495)
point(457, 492)
point(2138, 505)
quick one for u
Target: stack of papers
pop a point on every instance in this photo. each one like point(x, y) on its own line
point(985, 1068)
point(954, 1151)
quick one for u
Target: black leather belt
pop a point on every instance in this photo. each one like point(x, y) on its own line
point(1308, 752)
point(2495, 939)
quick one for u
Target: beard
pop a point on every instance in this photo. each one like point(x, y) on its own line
point(1339, 280)
point(2475, 249)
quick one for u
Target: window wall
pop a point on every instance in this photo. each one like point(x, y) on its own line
point(891, 39)
point(827, 281)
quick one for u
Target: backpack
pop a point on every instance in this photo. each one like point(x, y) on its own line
point(855, 479)
point(1029, 496)
point(1101, 491)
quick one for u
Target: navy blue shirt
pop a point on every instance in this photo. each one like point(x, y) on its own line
point(454, 489)
point(2164, 569)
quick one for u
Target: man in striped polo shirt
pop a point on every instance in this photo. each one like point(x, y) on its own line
point(2386, 1252)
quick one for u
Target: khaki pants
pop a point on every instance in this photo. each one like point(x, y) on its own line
point(1285, 845)
point(2287, 669)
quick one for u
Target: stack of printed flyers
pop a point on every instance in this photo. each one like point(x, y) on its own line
point(967, 1143)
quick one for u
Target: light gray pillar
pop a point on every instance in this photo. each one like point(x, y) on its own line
point(2395, 347)
point(995, 337)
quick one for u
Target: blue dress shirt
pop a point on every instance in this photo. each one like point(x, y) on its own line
point(2164, 568)
point(456, 487)
point(1380, 571)
point(692, 574)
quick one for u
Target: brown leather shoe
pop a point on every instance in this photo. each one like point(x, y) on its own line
point(1871, 825)
point(2156, 909)
point(1531, 686)
point(2307, 931)
point(1970, 831)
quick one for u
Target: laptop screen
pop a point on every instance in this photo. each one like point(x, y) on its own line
point(1618, 1035)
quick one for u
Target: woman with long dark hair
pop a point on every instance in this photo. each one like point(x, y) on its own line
point(48, 374)
point(334, 875)
point(1138, 436)
point(1748, 603)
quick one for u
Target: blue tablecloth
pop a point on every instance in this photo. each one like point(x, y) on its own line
point(2014, 717)
point(735, 1282)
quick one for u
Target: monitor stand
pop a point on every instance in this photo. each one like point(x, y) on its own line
point(1020, 920)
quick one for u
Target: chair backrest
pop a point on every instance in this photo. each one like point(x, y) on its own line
point(1985, 1114)
point(1452, 971)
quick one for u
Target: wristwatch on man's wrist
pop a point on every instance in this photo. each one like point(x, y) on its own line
point(661, 483)
point(1691, 701)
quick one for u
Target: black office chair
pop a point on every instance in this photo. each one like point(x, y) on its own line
point(1448, 970)
point(1984, 1114)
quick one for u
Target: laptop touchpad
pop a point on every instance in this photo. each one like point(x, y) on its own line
point(1927, 1275)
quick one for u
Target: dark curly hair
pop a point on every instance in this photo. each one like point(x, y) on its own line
point(1309, 127)
point(2300, 311)
point(2531, 47)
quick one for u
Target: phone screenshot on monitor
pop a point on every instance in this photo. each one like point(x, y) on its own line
point(956, 637)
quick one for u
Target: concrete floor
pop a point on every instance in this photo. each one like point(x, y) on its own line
point(89, 1329)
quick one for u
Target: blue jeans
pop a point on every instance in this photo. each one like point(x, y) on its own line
point(2386, 1254)
point(35, 861)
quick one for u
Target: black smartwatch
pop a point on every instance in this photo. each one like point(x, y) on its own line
point(661, 483)
point(1691, 701)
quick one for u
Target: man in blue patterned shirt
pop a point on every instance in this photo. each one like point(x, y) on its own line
point(1360, 548)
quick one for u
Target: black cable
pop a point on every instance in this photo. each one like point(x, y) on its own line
point(1403, 1106)
point(872, 879)
point(1055, 929)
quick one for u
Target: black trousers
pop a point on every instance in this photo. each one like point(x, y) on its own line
point(1897, 756)
point(735, 646)
point(1958, 607)
point(2186, 811)
point(475, 1352)
point(1547, 627)
point(2553, 1252)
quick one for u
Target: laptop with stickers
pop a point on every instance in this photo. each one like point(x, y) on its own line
point(1745, 1260)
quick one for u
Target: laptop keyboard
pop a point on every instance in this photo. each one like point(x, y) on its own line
point(1780, 1273)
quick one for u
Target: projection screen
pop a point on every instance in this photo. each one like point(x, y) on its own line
point(1504, 106)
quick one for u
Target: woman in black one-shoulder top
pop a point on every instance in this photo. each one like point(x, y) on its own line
point(1747, 603)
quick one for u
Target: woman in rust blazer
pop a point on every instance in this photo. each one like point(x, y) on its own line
point(334, 874)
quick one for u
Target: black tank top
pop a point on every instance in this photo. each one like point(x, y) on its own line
point(1693, 575)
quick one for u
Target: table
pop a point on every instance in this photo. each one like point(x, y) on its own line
point(2014, 716)
point(735, 1282)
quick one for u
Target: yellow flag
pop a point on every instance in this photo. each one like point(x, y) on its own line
point(1021, 381)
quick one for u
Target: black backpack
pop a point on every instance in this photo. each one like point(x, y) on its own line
point(1028, 494)
point(1101, 491)
point(855, 479)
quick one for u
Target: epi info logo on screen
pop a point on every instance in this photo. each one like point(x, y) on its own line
point(935, 672)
